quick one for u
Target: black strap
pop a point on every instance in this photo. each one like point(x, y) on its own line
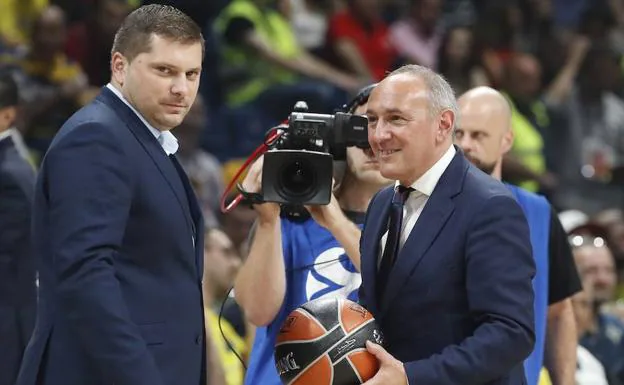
point(249, 198)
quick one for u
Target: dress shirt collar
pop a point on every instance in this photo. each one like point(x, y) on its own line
point(166, 139)
point(427, 182)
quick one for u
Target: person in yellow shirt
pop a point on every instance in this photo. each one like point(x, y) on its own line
point(221, 263)
point(17, 19)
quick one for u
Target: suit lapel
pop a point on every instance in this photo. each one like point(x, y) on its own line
point(433, 217)
point(435, 214)
point(152, 147)
point(376, 226)
point(196, 215)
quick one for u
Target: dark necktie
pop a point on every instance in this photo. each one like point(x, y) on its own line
point(391, 249)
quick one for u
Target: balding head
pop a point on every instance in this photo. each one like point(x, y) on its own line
point(486, 104)
point(484, 128)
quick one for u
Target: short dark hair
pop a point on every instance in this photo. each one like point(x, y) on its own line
point(135, 34)
point(9, 95)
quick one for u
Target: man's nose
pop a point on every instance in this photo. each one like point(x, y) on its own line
point(603, 277)
point(381, 132)
point(180, 85)
point(465, 143)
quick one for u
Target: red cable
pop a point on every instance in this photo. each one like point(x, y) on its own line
point(271, 137)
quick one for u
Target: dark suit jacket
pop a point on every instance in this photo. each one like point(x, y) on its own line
point(458, 308)
point(18, 294)
point(120, 279)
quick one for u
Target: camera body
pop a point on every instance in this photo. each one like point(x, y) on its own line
point(298, 169)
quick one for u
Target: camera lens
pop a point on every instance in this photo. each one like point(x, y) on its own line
point(297, 179)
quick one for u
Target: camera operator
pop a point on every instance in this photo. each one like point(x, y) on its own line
point(292, 261)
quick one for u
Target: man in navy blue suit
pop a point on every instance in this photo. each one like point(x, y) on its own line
point(117, 230)
point(18, 291)
point(446, 255)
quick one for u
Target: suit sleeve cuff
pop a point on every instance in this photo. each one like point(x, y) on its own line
point(419, 373)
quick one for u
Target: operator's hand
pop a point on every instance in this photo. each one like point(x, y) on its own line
point(268, 211)
point(327, 215)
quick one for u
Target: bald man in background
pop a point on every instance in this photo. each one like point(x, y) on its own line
point(485, 136)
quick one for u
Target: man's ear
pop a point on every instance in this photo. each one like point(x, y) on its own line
point(507, 141)
point(445, 125)
point(119, 67)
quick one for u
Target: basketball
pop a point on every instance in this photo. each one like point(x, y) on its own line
point(323, 342)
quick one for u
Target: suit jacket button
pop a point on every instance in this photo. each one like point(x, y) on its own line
point(198, 339)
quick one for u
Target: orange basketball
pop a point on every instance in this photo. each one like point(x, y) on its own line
point(323, 342)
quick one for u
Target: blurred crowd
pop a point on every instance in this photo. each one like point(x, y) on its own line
point(560, 63)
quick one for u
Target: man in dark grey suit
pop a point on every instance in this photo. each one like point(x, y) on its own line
point(17, 273)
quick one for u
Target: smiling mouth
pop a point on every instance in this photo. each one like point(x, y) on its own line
point(387, 152)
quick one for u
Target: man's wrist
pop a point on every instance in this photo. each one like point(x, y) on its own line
point(268, 221)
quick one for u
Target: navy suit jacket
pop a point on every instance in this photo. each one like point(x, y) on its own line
point(120, 278)
point(458, 308)
point(18, 292)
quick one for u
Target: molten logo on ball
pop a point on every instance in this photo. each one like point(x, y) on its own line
point(323, 342)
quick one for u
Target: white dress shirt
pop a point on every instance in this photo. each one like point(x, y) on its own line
point(423, 188)
point(166, 139)
point(6, 134)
